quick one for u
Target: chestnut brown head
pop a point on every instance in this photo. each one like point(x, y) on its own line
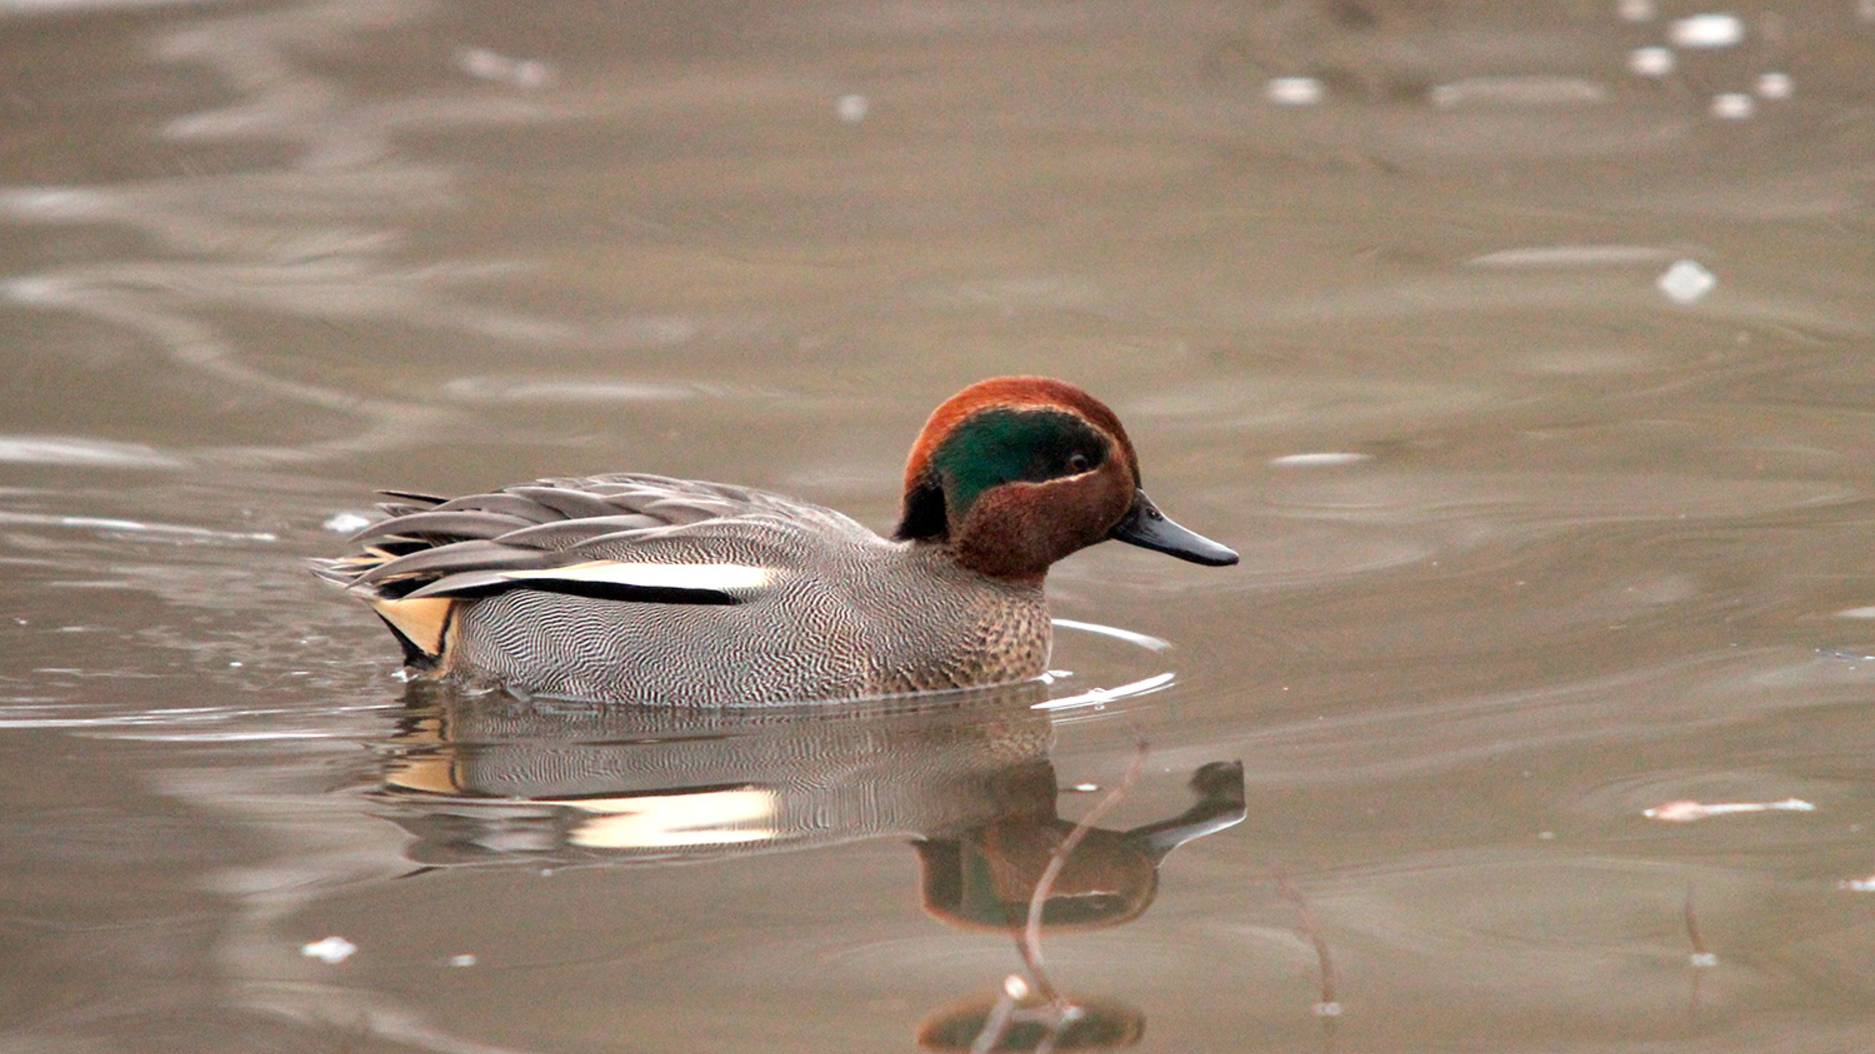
point(1014, 473)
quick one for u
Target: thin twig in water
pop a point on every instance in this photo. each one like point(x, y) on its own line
point(1329, 1006)
point(1701, 956)
point(1700, 959)
point(1058, 1012)
point(1031, 943)
point(1062, 1018)
point(994, 1026)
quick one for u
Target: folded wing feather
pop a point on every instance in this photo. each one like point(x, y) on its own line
point(624, 537)
point(616, 580)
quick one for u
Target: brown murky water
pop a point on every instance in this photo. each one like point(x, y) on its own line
point(1535, 538)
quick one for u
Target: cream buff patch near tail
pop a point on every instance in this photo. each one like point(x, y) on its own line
point(424, 622)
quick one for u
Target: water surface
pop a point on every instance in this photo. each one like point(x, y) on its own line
point(1535, 538)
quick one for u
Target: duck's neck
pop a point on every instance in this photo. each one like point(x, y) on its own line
point(980, 561)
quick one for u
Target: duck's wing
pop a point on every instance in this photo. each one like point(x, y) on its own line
point(648, 539)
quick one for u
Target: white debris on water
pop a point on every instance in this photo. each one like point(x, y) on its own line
point(345, 522)
point(329, 950)
point(1320, 459)
point(1571, 256)
point(1636, 10)
point(1856, 613)
point(1688, 811)
point(1531, 90)
point(1651, 61)
point(1774, 85)
point(852, 108)
point(1294, 91)
point(483, 64)
point(462, 961)
point(1858, 885)
point(1703, 960)
point(1686, 281)
point(1733, 106)
point(1716, 30)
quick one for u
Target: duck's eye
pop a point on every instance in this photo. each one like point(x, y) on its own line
point(1078, 463)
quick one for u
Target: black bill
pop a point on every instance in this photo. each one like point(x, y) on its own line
point(1145, 526)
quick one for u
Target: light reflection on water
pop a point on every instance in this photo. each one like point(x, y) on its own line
point(1537, 536)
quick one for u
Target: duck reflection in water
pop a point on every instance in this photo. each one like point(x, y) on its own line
point(490, 780)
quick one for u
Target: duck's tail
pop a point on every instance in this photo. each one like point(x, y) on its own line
point(420, 625)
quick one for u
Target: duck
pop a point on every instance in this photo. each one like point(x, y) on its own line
point(645, 589)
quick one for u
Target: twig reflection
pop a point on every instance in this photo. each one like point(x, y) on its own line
point(1057, 1012)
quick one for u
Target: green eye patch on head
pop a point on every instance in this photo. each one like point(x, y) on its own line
point(993, 447)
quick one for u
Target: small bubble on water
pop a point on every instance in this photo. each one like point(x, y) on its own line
point(461, 961)
point(329, 950)
point(1085, 788)
point(345, 522)
point(1717, 30)
point(1650, 62)
point(1636, 10)
point(1732, 106)
point(1703, 959)
point(1294, 91)
point(235, 665)
point(484, 64)
point(1686, 281)
point(1329, 1008)
point(1774, 85)
point(852, 108)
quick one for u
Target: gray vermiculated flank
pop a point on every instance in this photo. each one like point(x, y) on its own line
point(848, 614)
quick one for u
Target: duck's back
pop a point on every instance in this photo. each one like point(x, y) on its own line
point(647, 589)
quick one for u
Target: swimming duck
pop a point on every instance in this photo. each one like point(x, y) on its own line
point(640, 588)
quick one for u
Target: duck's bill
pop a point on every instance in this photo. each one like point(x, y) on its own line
point(1145, 526)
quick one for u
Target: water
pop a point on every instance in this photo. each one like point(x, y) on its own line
point(1535, 539)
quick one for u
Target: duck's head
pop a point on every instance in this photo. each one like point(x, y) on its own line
point(1014, 473)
